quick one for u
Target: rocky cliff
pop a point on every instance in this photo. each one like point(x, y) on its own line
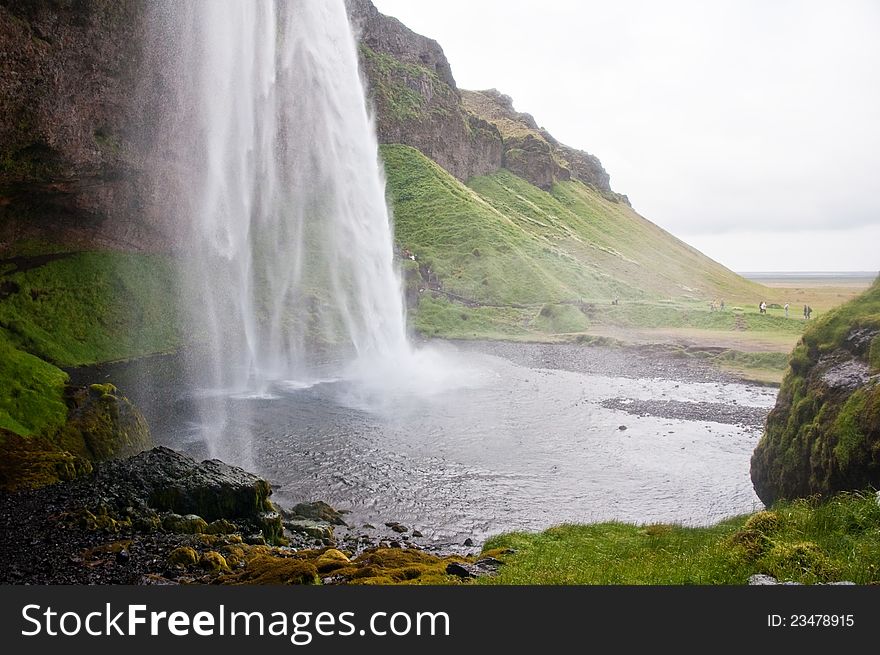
point(416, 99)
point(69, 158)
point(468, 133)
point(823, 435)
point(81, 93)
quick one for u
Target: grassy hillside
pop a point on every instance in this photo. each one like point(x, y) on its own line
point(504, 257)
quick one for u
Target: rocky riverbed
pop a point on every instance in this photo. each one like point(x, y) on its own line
point(162, 518)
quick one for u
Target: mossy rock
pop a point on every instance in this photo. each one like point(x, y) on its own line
point(214, 561)
point(221, 526)
point(799, 562)
point(765, 523)
point(183, 557)
point(277, 570)
point(98, 519)
point(189, 524)
point(102, 424)
point(823, 435)
point(35, 462)
point(330, 560)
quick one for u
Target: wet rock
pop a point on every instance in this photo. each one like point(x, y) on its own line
point(123, 556)
point(469, 542)
point(621, 427)
point(416, 533)
point(488, 564)
point(170, 481)
point(847, 375)
point(397, 527)
point(461, 570)
point(759, 579)
point(319, 511)
point(310, 528)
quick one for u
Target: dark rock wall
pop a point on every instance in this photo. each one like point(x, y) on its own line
point(68, 160)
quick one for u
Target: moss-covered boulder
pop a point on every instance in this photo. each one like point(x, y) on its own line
point(101, 424)
point(823, 435)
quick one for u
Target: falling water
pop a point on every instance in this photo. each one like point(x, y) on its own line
point(290, 265)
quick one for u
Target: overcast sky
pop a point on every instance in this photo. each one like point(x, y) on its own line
point(748, 128)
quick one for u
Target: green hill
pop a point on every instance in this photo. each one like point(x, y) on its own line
point(502, 248)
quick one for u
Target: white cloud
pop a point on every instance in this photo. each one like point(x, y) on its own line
point(715, 118)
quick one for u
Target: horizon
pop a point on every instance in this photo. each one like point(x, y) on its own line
point(761, 158)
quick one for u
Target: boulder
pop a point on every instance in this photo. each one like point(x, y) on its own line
point(823, 435)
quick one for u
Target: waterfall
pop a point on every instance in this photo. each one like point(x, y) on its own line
point(284, 228)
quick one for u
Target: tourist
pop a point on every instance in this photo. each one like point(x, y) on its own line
point(763, 307)
point(786, 310)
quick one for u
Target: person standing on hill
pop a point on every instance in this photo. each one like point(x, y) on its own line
point(786, 310)
point(809, 312)
point(763, 307)
point(806, 316)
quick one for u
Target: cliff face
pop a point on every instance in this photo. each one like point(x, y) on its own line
point(469, 133)
point(823, 435)
point(68, 160)
point(416, 99)
point(82, 91)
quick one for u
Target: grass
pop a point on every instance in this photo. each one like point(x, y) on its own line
point(78, 309)
point(803, 541)
point(31, 392)
point(91, 307)
point(523, 258)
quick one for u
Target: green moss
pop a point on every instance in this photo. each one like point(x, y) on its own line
point(31, 392)
point(92, 307)
point(183, 557)
point(820, 440)
point(276, 569)
point(874, 355)
point(35, 462)
point(214, 561)
point(850, 449)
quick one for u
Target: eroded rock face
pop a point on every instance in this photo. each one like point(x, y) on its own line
point(823, 435)
point(531, 152)
point(85, 88)
point(416, 99)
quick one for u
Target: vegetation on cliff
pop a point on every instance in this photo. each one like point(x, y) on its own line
point(823, 435)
